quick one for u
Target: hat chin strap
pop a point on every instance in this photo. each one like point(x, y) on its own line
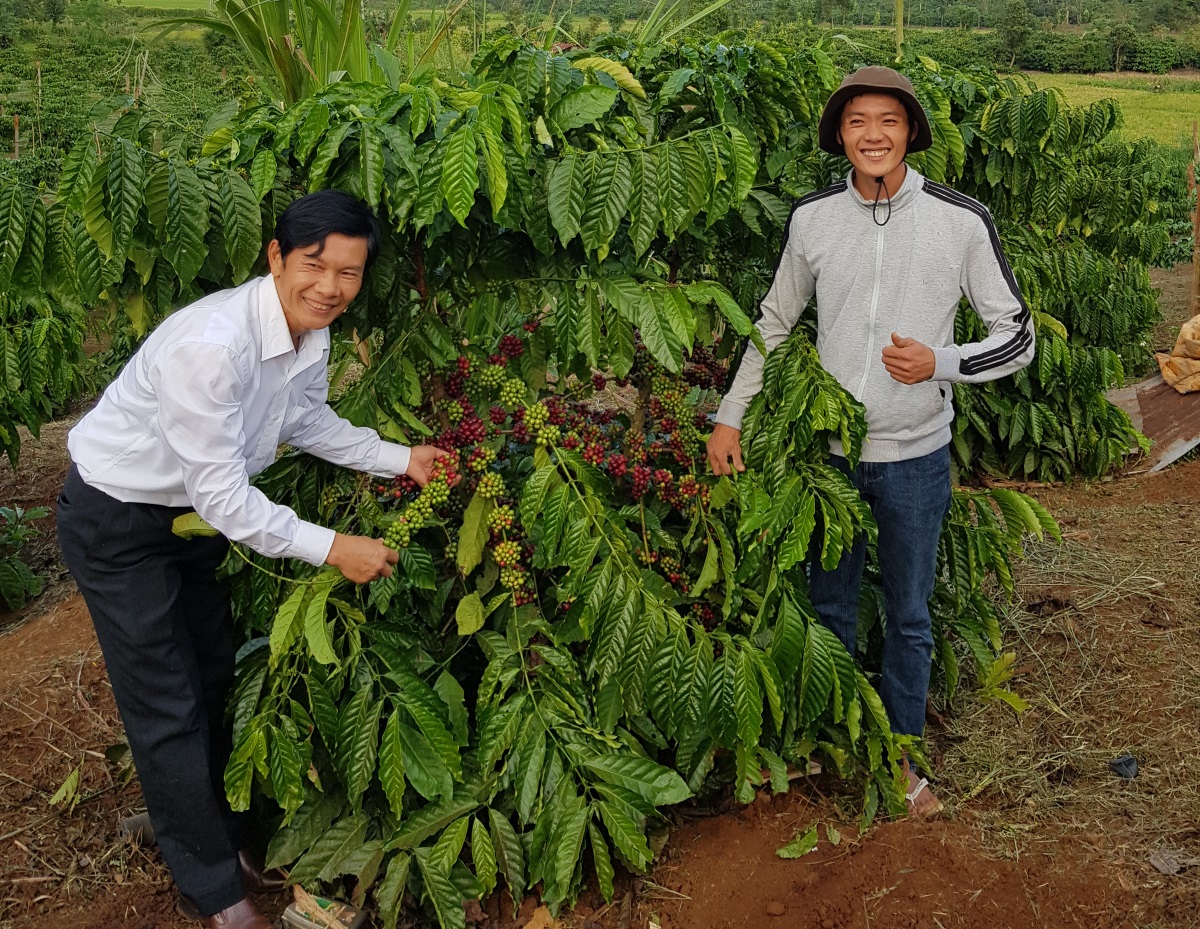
point(881, 188)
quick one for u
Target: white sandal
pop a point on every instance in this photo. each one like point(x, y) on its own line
point(911, 797)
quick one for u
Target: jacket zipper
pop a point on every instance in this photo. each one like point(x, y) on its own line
point(862, 384)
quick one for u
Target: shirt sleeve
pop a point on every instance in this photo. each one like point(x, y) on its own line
point(200, 419)
point(791, 289)
point(313, 426)
point(991, 287)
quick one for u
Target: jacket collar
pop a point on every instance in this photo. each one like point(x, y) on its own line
point(899, 199)
point(273, 329)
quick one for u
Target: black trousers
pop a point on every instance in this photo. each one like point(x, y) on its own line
point(166, 631)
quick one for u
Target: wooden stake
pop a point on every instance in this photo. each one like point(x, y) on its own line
point(37, 105)
point(1195, 302)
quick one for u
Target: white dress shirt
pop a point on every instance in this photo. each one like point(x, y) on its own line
point(203, 406)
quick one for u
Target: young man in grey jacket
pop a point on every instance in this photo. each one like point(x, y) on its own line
point(888, 254)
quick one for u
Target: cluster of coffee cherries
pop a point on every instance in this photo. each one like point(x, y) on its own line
point(703, 370)
point(512, 392)
point(673, 422)
point(672, 570)
point(538, 425)
point(443, 473)
point(330, 496)
point(668, 566)
point(705, 613)
point(490, 486)
point(511, 551)
point(684, 494)
point(470, 384)
point(489, 421)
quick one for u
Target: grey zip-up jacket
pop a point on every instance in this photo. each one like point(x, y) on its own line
point(906, 276)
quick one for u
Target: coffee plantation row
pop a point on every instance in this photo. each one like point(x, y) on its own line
point(573, 246)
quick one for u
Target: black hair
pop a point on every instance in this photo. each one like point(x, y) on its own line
point(311, 219)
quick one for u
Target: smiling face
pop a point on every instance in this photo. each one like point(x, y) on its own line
point(875, 132)
point(317, 282)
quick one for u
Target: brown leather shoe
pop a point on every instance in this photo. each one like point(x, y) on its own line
point(234, 917)
point(243, 915)
point(255, 878)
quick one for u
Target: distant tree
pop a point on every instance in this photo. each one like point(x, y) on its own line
point(825, 10)
point(963, 15)
point(1015, 27)
point(1121, 38)
point(91, 16)
point(8, 23)
point(618, 12)
point(55, 10)
point(584, 32)
point(512, 12)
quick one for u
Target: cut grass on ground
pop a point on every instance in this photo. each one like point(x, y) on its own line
point(1159, 107)
point(1106, 636)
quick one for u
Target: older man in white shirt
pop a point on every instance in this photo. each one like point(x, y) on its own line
point(199, 410)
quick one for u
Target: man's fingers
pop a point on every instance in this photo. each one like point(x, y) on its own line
point(724, 447)
point(904, 377)
point(392, 556)
point(900, 370)
point(385, 571)
point(719, 458)
point(724, 465)
point(909, 361)
point(714, 460)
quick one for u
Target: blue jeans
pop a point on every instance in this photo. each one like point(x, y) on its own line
point(910, 500)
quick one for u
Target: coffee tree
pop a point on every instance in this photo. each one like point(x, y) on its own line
point(41, 337)
point(1082, 215)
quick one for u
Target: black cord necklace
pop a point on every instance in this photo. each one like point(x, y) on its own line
point(881, 188)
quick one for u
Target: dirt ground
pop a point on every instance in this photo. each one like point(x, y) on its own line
point(1038, 830)
point(1174, 285)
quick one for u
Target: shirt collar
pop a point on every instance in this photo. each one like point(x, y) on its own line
point(899, 198)
point(273, 329)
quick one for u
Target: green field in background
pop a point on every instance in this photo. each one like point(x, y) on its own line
point(374, 6)
point(189, 6)
point(1160, 107)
